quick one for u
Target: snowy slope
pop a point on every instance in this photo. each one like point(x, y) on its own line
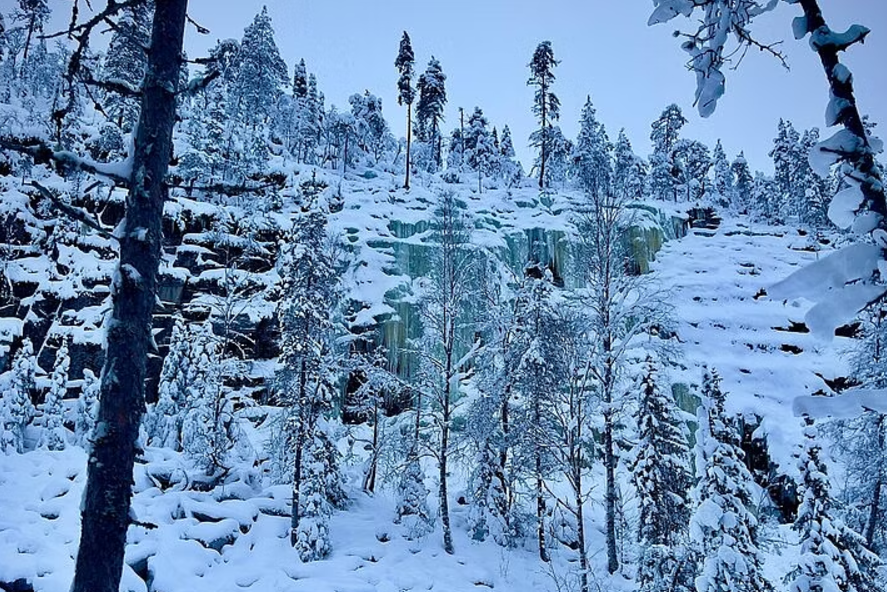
point(726, 322)
point(236, 537)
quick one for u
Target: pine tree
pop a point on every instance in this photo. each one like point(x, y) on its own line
point(370, 128)
point(833, 556)
point(405, 92)
point(691, 165)
point(665, 132)
point(17, 408)
point(546, 105)
point(591, 159)
point(87, 409)
point(54, 435)
point(430, 108)
point(723, 526)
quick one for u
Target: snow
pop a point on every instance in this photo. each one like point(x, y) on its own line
point(724, 321)
point(844, 205)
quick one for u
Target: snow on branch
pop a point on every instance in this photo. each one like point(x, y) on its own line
point(42, 153)
point(708, 45)
point(72, 212)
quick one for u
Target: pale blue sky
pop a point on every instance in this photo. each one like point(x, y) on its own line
point(630, 70)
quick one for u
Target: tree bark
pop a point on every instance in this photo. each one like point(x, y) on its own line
point(406, 183)
point(106, 510)
point(842, 89)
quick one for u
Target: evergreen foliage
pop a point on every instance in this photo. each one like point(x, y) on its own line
point(17, 407)
point(723, 527)
point(54, 435)
point(833, 556)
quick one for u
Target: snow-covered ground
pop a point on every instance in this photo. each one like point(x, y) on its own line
point(236, 537)
point(717, 283)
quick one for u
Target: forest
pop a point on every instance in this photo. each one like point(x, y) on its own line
point(253, 340)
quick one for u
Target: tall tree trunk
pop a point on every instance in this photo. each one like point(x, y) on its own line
point(295, 509)
point(609, 453)
point(406, 183)
point(841, 88)
point(444, 453)
point(106, 506)
point(540, 510)
point(369, 484)
point(875, 508)
point(580, 519)
point(299, 444)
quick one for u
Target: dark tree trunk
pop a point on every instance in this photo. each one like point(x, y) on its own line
point(540, 510)
point(842, 89)
point(299, 444)
point(105, 515)
point(369, 483)
point(875, 509)
point(406, 182)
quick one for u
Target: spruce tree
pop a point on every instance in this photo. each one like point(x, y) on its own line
point(591, 159)
point(628, 170)
point(661, 471)
point(125, 62)
point(17, 408)
point(179, 373)
point(661, 476)
point(723, 176)
point(743, 184)
point(209, 429)
point(54, 433)
point(723, 526)
point(510, 168)
point(546, 105)
point(87, 410)
point(405, 92)
point(833, 557)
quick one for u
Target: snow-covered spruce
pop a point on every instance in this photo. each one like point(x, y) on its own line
point(723, 527)
point(55, 435)
point(16, 408)
point(87, 409)
point(661, 476)
point(833, 556)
